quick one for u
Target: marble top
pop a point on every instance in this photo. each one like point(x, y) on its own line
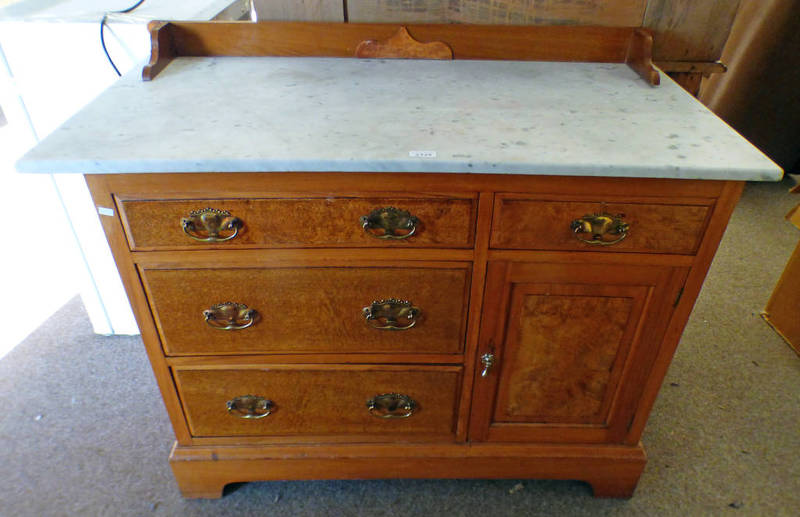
point(227, 114)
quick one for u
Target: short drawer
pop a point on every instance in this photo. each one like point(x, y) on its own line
point(645, 227)
point(311, 400)
point(206, 311)
point(237, 223)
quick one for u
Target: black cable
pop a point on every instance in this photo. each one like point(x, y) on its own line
point(102, 31)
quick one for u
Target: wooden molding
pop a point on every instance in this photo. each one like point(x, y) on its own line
point(310, 39)
point(403, 46)
point(161, 49)
point(640, 56)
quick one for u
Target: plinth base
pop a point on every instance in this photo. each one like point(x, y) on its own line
point(203, 471)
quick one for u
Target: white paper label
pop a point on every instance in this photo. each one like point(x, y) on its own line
point(422, 154)
point(105, 211)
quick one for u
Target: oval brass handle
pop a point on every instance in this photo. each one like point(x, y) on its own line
point(385, 314)
point(390, 223)
point(229, 316)
point(598, 226)
point(207, 224)
point(250, 406)
point(391, 405)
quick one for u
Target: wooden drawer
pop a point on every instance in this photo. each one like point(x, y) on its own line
point(441, 221)
point(654, 226)
point(313, 400)
point(310, 309)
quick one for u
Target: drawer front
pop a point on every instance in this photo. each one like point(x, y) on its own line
point(318, 309)
point(652, 227)
point(299, 222)
point(309, 400)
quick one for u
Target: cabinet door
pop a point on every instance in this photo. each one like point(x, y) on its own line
point(572, 346)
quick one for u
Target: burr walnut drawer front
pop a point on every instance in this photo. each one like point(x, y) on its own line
point(646, 226)
point(316, 400)
point(411, 309)
point(291, 222)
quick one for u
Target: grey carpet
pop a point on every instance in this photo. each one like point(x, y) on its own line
point(83, 431)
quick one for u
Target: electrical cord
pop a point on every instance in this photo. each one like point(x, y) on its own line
point(102, 31)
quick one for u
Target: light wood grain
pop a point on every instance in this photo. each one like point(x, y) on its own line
point(319, 400)
point(472, 349)
point(622, 416)
point(511, 42)
point(565, 346)
point(640, 56)
point(300, 222)
point(102, 195)
point(202, 472)
point(311, 257)
point(402, 45)
point(161, 50)
point(586, 406)
point(305, 309)
point(526, 223)
point(322, 184)
point(692, 284)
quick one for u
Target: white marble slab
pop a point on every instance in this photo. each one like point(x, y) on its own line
point(316, 114)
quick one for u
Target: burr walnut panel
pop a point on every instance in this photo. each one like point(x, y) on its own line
point(440, 221)
point(313, 400)
point(653, 227)
point(565, 338)
point(567, 346)
point(310, 309)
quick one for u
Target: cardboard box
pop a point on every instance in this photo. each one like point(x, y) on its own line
point(783, 309)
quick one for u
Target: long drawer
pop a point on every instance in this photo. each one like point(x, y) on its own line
point(314, 400)
point(235, 223)
point(525, 222)
point(217, 311)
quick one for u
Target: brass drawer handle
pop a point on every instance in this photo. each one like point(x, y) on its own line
point(598, 226)
point(250, 406)
point(391, 405)
point(230, 316)
point(389, 223)
point(207, 224)
point(385, 314)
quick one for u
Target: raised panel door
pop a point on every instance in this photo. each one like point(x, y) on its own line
point(570, 346)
